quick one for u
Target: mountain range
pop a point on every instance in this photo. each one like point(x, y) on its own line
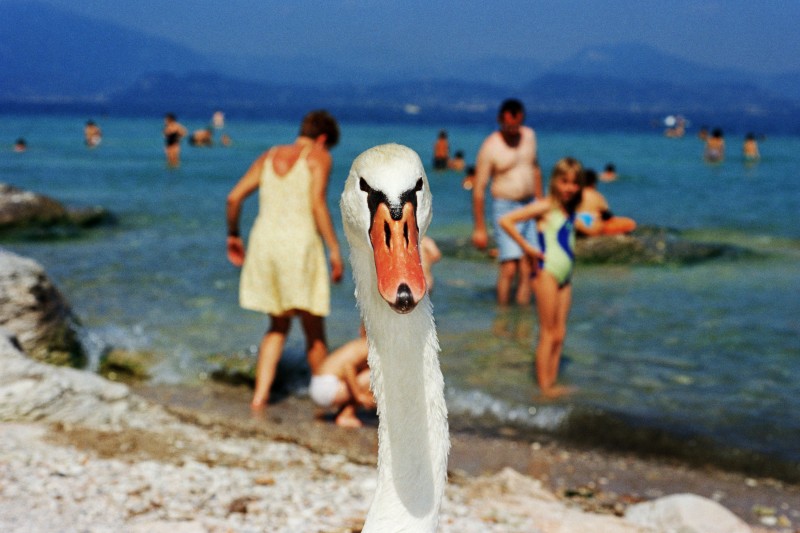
point(55, 61)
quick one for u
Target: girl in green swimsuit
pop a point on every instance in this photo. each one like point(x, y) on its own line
point(554, 215)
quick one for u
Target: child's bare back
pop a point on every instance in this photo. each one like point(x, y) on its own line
point(342, 381)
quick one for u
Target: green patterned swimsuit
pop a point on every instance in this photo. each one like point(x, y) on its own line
point(557, 240)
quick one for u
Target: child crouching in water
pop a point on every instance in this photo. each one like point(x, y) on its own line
point(554, 217)
point(342, 382)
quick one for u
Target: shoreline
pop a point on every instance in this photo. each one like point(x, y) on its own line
point(594, 479)
point(81, 453)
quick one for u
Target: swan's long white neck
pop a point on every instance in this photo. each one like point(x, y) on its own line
point(413, 438)
point(386, 209)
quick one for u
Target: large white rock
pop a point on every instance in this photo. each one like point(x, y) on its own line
point(686, 513)
point(31, 391)
point(33, 309)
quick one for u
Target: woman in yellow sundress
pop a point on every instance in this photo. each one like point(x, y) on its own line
point(284, 273)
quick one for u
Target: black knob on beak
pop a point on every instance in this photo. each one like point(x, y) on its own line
point(405, 300)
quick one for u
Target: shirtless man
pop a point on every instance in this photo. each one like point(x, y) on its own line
point(441, 151)
point(92, 134)
point(715, 147)
point(507, 158)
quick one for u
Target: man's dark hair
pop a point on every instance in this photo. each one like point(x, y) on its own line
point(511, 105)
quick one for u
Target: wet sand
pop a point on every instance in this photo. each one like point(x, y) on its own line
point(598, 480)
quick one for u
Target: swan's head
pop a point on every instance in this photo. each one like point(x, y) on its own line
point(386, 208)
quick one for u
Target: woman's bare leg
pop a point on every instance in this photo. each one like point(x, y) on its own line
point(316, 345)
point(269, 353)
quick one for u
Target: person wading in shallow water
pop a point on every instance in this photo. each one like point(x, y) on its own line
point(173, 133)
point(284, 273)
point(508, 158)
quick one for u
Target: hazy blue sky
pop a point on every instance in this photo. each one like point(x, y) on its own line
point(756, 35)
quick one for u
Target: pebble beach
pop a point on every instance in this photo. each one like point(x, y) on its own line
point(235, 485)
point(79, 453)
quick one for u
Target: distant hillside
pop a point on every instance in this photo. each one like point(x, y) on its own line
point(642, 62)
point(314, 71)
point(786, 84)
point(639, 62)
point(201, 93)
point(47, 53)
point(53, 61)
point(607, 93)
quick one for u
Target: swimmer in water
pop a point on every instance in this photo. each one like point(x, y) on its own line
point(715, 147)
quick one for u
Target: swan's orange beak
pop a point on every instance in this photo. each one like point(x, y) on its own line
point(395, 244)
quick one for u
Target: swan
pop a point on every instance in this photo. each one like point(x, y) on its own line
point(386, 209)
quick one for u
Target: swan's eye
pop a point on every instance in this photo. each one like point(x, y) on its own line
point(387, 234)
point(418, 186)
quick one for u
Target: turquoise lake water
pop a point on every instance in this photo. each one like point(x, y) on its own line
point(705, 353)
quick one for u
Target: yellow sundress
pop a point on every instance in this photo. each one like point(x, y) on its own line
point(285, 267)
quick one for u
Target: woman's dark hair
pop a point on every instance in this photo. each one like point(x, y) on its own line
point(320, 122)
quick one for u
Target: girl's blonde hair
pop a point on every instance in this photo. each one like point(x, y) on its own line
point(562, 167)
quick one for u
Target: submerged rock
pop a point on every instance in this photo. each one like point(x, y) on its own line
point(652, 246)
point(233, 369)
point(645, 246)
point(462, 248)
point(30, 215)
point(33, 309)
point(127, 366)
